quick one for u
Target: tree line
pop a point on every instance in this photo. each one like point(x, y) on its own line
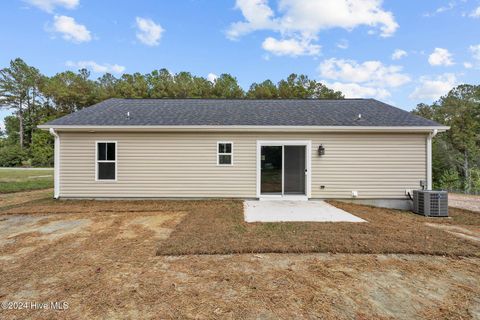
point(456, 153)
point(36, 98)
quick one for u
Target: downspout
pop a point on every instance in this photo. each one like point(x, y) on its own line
point(429, 158)
point(56, 170)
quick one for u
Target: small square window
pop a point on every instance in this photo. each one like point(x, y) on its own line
point(106, 161)
point(224, 153)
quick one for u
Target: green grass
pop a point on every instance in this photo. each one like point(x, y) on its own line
point(15, 180)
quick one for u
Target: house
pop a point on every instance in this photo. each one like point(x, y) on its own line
point(352, 149)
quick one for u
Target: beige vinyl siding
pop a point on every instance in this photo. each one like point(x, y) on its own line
point(377, 165)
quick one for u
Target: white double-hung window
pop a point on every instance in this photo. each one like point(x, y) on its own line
point(224, 153)
point(106, 161)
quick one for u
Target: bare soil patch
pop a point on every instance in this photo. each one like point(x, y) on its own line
point(461, 232)
point(464, 201)
point(221, 230)
point(13, 199)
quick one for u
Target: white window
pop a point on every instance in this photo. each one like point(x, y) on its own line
point(106, 161)
point(224, 153)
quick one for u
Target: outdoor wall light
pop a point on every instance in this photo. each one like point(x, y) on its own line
point(321, 150)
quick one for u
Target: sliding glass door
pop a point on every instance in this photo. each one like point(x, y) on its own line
point(283, 170)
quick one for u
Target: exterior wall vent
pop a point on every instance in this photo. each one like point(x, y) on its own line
point(430, 203)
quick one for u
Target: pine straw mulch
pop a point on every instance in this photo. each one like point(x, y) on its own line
point(220, 229)
point(109, 269)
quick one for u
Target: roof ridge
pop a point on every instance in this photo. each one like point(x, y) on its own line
point(242, 99)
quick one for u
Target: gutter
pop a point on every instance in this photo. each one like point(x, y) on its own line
point(430, 136)
point(133, 128)
point(56, 170)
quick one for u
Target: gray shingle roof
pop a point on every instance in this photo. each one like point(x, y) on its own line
point(219, 112)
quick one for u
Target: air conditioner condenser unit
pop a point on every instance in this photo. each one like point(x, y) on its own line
point(430, 203)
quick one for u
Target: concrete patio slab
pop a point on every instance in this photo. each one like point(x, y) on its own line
point(300, 211)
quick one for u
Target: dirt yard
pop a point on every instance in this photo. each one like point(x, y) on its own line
point(14, 199)
point(99, 257)
point(464, 201)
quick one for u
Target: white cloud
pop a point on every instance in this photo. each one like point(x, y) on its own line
point(355, 90)
point(475, 50)
point(451, 5)
point(342, 44)
point(312, 16)
point(2, 126)
point(290, 47)
point(371, 73)
point(399, 54)
point(70, 29)
point(258, 15)
point(303, 20)
point(448, 7)
point(149, 32)
point(96, 67)
point(212, 77)
point(49, 5)
point(440, 57)
point(362, 80)
point(475, 13)
point(434, 88)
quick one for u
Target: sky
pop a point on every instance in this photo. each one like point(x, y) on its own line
point(401, 52)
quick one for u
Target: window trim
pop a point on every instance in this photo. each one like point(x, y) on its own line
point(106, 161)
point(225, 154)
